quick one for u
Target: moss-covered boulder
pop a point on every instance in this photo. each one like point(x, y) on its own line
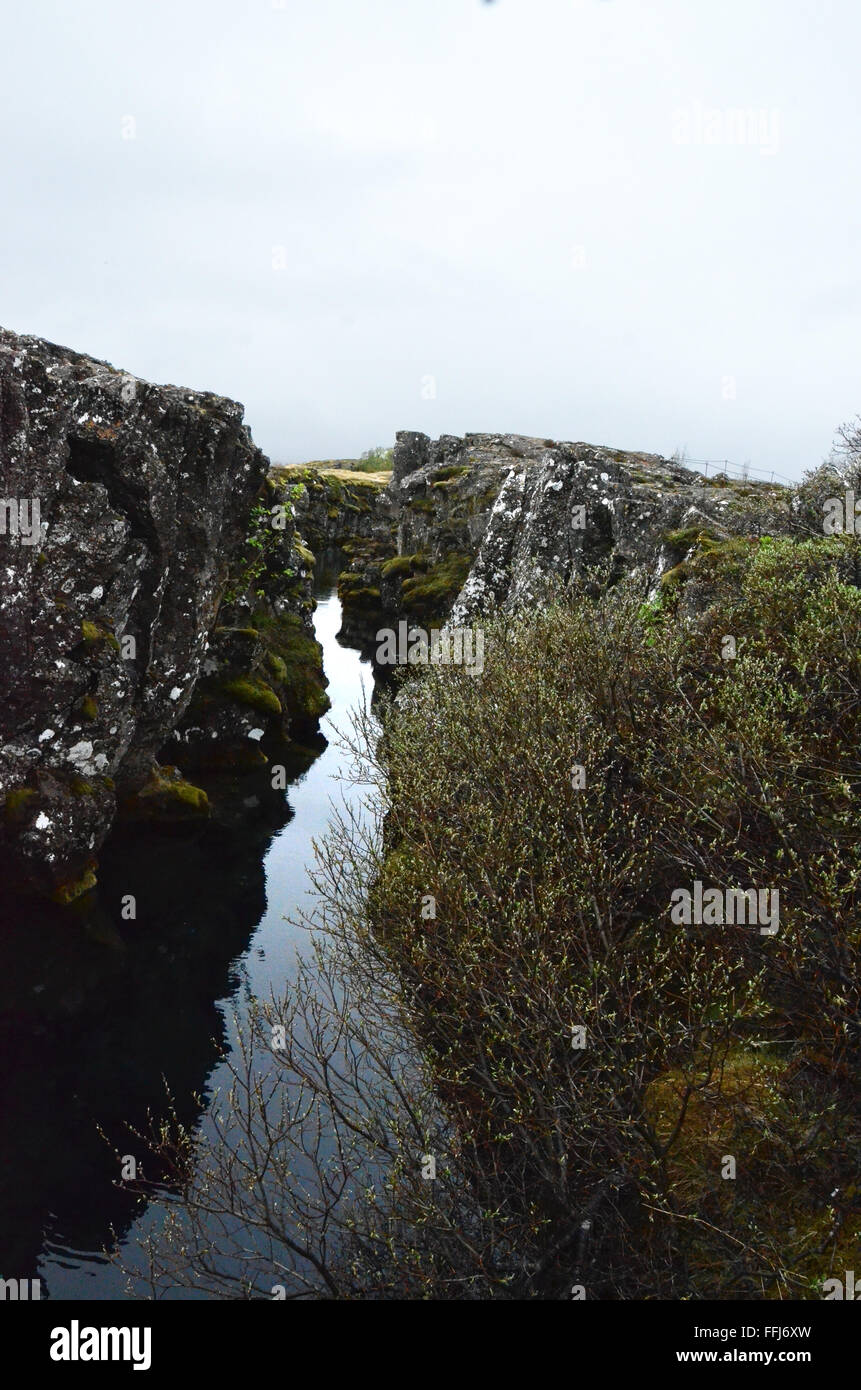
point(166, 798)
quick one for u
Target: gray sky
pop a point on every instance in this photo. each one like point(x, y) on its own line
point(358, 216)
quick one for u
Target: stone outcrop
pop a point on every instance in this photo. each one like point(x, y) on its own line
point(155, 619)
point(347, 514)
point(467, 525)
point(498, 518)
point(123, 506)
point(262, 676)
point(336, 507)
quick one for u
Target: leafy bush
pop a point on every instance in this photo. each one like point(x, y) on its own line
point(378, 460)
point(455, 1031)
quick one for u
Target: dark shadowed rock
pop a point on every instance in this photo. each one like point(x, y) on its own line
point(140, 495)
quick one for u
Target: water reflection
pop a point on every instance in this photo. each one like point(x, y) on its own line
point(96, 1015)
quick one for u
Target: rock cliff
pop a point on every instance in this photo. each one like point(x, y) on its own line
point(154, 616)
point(122, 505)
point(490, 520)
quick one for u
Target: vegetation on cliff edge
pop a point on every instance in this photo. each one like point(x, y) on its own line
point(499, 986)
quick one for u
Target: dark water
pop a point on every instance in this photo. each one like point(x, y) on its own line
point(96, 1014)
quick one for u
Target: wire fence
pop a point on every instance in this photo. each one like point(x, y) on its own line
point(742, 471)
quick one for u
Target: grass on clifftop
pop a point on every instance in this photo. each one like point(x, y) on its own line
point(374, 478)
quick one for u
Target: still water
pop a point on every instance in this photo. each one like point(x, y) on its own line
point(95, 1016)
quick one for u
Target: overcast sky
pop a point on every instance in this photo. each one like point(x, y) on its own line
point(359, 216)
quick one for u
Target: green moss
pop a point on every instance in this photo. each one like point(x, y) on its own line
point(277, 667)
point(404, 564)
point(355, 591)
point(88, 708)
point(167, 796)
point(94, 636)
point(672, 578)
point(361, 596)
point(297, 475)
point(432, 594)
point(19, 805)
point(304, 554)
point(726, 554)
point(187, 795)
point(255, 693)
point(446, 476)
point(67, 892)
point(303, 684)
point(713, 556)
point(79, 787)
point(689, 536)
point(251, 633)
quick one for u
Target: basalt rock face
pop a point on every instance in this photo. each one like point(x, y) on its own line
point(345, 513)
point(262, 676)
point(511, 516)
point(334, 507)
point(142, 494)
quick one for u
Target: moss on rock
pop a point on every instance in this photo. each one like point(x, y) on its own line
point(167, 796)
point(303, 683)
point(71, 889)
point(404, 565)
point(432, 594)
point(354, 591)
point(277, 666)
point(304, 554)
point(19, 805)
point(251, 691)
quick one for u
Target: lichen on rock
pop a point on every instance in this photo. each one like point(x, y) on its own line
point(143, 495)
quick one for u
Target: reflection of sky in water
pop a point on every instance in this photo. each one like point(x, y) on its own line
point(68, 1269)
point(292, 853)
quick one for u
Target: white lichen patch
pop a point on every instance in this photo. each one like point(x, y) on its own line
point(80, 756)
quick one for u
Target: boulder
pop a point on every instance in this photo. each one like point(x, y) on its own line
point(123, 504)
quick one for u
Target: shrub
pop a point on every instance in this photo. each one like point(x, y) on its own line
point(451, 1032)
point(378, 460)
